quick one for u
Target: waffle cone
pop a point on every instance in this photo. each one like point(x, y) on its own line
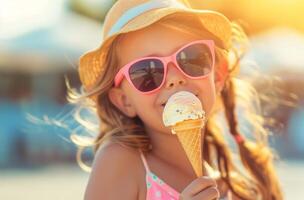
point(189, 135)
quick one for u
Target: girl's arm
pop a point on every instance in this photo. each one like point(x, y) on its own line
point(112, 176)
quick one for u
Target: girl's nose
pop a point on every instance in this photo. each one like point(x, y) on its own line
point(174, 77)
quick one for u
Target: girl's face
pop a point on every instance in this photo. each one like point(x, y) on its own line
point(158, 40)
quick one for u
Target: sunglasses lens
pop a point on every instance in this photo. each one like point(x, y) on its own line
point(195, 60)
point(147, 75)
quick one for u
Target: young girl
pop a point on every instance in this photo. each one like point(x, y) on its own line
point(151, 50)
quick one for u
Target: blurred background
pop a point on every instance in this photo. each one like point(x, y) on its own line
point(40, 43)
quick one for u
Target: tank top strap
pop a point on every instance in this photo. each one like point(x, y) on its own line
point(144, 161)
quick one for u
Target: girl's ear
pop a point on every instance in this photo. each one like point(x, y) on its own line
point(221, 74)
point(122, 102)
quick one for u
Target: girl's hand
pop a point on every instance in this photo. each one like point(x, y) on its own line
point(202, 188)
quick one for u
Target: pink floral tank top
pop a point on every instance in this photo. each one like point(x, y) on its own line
point(157, 189)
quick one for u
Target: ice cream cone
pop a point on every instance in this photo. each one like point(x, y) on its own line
point(185, 116)
point(189, 135)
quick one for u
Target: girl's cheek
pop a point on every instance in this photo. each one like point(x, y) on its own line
point(143, 101)
point(206, 88)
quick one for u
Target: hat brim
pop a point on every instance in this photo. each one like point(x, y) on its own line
point(90, 65)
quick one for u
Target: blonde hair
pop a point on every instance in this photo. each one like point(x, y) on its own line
point(258, 177)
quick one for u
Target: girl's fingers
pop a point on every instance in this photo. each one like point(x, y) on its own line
point(210, 193)
point(198, 185)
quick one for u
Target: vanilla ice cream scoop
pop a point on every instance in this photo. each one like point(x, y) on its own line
point(182, 106)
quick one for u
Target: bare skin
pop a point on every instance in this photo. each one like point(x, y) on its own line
point(162, 41)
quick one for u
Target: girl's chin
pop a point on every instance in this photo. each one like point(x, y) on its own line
point(166, 130)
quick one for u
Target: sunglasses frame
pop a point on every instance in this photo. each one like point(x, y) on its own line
point(124, 71)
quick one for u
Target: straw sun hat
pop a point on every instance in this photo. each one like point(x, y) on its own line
point(131, 15)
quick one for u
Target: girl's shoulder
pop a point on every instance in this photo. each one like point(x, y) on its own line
point(114, 173)
point(118, 150)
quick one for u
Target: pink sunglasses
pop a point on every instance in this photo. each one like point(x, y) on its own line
point(195, 60)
